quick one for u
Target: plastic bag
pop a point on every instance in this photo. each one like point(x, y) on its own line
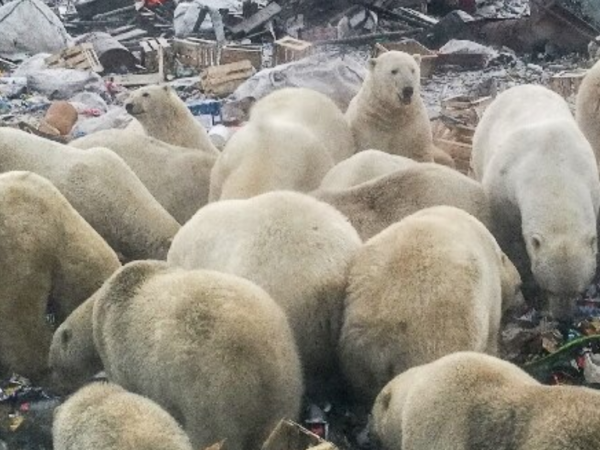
point(338, 78)
point(62, 84)
point(29, 26)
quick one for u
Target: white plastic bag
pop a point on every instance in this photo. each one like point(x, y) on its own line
point(29, 26)
point(62, 84)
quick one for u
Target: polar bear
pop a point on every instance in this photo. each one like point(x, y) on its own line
point(51, 259)
point(210, 348)
point(377, 204)
point(388, 113)
point(312, 110)
point(432, 284)
point(101, 187)
point(587, 108)
point(270, 155)
point(164, 116)
point(295, 247)
point(362, 167)
point(104, 416)
point(541, 177)
point(178, 177)
point(470, 400)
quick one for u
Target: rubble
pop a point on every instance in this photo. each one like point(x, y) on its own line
point(223, 55)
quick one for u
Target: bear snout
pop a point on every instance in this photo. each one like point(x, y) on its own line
point(129, 107)
point(407, 94)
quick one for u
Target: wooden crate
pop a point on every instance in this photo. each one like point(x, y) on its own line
point(289, 49)
point(150, 53)
point(222, 80)
point(196, 53)
point(81, 57)
point(200, 53)
point(237, 53)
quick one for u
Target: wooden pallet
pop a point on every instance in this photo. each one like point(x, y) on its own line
point(81, 57)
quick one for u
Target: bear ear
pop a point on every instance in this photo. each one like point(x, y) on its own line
point(536, 241)
point(65, 337)
point(417, 58)
point(386, 399)
point(372, 63)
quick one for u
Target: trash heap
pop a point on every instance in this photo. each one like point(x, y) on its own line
point(82, 58)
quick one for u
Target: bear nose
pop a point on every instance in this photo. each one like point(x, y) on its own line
point(129, 107)
point(408, 92)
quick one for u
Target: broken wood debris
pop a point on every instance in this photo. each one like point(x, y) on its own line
point(289, 435)
point(258, 19)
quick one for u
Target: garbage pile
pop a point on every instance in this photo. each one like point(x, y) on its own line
point(25, 415)
point(566, 352)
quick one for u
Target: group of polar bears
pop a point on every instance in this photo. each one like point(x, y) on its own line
point(318, 250)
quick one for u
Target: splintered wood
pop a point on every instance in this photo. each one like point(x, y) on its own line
point(453, 130)
point(567, 83)
point(289, 435)
point(221, 81)
point(81, 57)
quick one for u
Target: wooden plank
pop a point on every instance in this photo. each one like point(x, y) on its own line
point(164, 43)
point(121, 30)
point(256, 20)
point(138, 79)
point(133, 34)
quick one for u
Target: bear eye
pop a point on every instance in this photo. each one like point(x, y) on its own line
point(394, 71)
point(145, 94)
point(412, 70)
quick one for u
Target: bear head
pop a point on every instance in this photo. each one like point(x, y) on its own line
point(395, 78)
point(563, 265)
point(147, 99)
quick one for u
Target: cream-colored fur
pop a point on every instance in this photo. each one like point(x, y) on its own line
point(100, 186)
point(104, 416)
point(50, 256)
point(474, 401)
point(164, 116)
point(269, 155)
point(388, 113)
point(178, 177)
point(312, 110)
point(362, 167)
point(377, 204)
point(293, 246)
point(541, 177)
point(212, 349)
point(425, 287)
point(587, 108)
